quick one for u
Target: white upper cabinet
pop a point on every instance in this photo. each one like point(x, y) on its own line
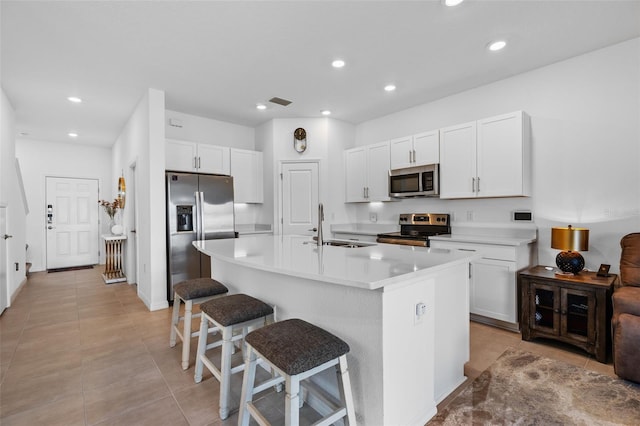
point(486, 158)
point(367, 173)
point(214, 159)
point(185, 156)
point(416, 150)
point(246, 169)
point(458, 161)
point(503, 156)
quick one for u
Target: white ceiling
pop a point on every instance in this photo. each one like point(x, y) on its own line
point(218, 59)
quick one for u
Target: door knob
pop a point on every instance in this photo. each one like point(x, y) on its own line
point(7, 236)
point(50, 227)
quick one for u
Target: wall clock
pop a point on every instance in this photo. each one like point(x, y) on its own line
point(300, 140)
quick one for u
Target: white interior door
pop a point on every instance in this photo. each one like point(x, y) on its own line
point(299, 198)
point(4, 283)
point(71, 221)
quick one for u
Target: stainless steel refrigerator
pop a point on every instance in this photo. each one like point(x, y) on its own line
point(199, 207)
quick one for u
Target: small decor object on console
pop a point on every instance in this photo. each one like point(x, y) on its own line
point(570, 240)
point(111, 209)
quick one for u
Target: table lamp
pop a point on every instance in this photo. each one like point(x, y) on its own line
point(570, 240)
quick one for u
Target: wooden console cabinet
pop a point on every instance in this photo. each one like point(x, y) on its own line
point(573, 309)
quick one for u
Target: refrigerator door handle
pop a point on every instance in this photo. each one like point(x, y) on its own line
point(198, 223)
point(201, 227)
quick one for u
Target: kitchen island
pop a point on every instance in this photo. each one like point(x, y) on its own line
point(403, 359)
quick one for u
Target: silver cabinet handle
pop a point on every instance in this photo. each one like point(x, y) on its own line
point(7, 236)
point(414, 155)
point(473, 184)
point(364, 192)
point(195, 162)
point(478, 185)
point(410, 158)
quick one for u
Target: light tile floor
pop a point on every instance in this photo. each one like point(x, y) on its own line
point(74, 351)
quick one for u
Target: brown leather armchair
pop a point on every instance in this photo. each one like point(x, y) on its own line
point(625, 323)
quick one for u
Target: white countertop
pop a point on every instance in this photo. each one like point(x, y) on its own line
point(504, 234)
point(371, 267)
point(253, 228)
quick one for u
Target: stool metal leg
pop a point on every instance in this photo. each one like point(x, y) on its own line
point(175, 318)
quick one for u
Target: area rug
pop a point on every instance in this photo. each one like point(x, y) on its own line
point(521, 388)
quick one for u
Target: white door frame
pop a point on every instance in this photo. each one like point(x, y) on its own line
point(4, 272)
point(279, 204)
point(132, 197)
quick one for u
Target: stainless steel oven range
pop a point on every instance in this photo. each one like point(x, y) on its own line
point(416, 228)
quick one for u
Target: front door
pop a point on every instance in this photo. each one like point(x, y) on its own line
point(299, 198)
point(71, 221)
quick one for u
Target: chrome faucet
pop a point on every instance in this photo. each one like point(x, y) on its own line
point(320, 219)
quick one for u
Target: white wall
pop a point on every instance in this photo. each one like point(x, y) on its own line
point(326, 140)
point(12, 199)
point(142, 143)
point(39, 159)
point(209, 131)
point(585, 120)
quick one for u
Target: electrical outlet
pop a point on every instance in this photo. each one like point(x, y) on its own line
point(419, 312)
point(373, 217)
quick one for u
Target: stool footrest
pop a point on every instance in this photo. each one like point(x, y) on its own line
point(257, 415)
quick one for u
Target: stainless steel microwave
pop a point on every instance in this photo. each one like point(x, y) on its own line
point(422, 181)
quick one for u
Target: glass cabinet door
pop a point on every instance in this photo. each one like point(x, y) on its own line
point(545, 308)
point(578, 314)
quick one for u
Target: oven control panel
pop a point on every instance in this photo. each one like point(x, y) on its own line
point(424, 219)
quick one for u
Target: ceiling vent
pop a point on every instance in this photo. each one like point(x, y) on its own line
point(280, 101)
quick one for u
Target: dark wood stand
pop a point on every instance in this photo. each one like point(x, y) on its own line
point(575, 309)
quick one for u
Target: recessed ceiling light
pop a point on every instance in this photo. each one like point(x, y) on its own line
point(390, 87)
point(338, 63)
point(325, 112)
point(72, 135)
point(261, 106)
point(452, 3)
point(497, 45)
point(74, 99)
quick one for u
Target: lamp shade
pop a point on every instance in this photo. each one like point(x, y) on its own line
point(570, 239)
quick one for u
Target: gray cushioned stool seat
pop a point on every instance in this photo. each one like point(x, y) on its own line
point(235, 309)
point(199, 287)
point(295, 346)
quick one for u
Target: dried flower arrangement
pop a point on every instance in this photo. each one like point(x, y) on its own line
point(111, 208)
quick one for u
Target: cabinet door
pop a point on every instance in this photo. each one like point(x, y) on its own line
point(458, 161)
point(544, 308)
point(401, 152)
point(378, 172)
point(501, 157)
point(214, 159)
point(578, 315)
point(426, 148)
point(493, 289)
point(180, 156)
point(246, 169)
point(355, 163)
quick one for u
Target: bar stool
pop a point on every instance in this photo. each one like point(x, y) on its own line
point(194, 291)
point(237, 312)
point(296, 350)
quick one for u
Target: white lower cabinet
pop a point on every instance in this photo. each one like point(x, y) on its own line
point(493, 295)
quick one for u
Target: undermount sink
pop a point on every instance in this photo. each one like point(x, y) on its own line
point(347, 244)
